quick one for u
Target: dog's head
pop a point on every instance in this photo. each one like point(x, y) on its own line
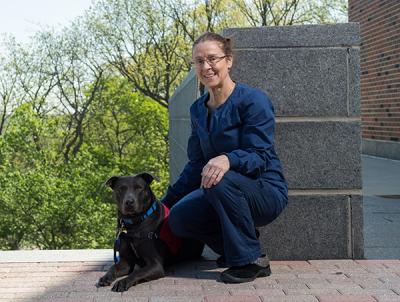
point(132, 193)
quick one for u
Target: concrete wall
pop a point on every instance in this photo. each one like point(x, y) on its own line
point(311, 74)
point(386, 149)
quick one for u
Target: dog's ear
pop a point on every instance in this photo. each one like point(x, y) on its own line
point(147, 177)
point(111, 182)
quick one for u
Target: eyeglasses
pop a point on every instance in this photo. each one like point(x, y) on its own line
point(212, 61)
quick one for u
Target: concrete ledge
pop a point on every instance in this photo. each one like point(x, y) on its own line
point(88, 255)
point(56, 255)
point(386, 149)
point(380, 176)
point(346, 34)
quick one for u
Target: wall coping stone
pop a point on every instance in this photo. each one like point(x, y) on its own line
point(325, 35)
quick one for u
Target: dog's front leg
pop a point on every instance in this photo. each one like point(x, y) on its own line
point(152, 271)
point(120, 269)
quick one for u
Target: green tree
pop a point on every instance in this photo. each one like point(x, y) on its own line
point(48, 203)
point(129, 133)
point(139, 40)
point(198, 16)
point(290, 12)
point(45, 202)
point(78, 79)
point(8, 92)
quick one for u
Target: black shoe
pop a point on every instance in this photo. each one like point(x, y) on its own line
point(245, 273)
point(221, 262)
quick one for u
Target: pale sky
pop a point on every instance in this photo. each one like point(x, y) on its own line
point(23, 18)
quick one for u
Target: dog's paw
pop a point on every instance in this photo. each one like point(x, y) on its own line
point(121, 286)
point(103, 282)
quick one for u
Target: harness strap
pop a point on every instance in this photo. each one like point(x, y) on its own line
point(138, 219)
point(117, 243)
point(163, 232)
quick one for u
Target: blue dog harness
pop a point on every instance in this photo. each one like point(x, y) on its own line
point(126, 222)
point(164, 232)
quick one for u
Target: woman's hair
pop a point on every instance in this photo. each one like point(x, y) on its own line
point(226, 43)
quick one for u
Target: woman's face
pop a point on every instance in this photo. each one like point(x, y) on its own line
point(211, 64)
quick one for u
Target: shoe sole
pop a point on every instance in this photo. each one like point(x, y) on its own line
point(261, 273)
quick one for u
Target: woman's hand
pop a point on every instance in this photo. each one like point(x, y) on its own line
point(214, 170)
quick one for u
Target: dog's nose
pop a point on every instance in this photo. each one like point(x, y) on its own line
point(129, 202)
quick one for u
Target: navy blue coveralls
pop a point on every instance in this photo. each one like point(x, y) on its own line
point(252, 193)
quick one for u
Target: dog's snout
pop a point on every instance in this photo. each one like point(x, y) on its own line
point(129, 202)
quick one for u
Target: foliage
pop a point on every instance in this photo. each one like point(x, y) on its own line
point(139, 40)
point(46, 202)
point(129, 133)
point(291, 12)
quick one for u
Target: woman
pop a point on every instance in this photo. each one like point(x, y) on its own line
point(233, 180)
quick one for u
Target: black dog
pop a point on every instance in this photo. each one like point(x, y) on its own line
point(144, 241)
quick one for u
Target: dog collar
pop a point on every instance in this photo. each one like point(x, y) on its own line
point(130, 221)
point(150, 210)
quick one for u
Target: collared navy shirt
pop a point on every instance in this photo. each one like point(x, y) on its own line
point(243, 129)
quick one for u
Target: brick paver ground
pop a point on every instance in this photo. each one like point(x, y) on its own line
point(300, 281)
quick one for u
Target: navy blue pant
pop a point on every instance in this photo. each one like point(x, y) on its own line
point(225, 216)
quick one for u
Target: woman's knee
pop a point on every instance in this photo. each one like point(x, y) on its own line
point(189, 214)
point(225, 186)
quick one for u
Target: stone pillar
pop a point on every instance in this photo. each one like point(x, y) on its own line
point(311, 73)
point(179, 124)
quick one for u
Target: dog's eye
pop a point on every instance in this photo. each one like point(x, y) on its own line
point(121, 189)
point(137, 187)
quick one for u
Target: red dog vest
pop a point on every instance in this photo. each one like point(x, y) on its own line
point(173, 242)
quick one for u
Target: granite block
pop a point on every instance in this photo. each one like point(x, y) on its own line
point(327, 35)
point(353, 81)
point(179, 131)
point(320, 154)
point(312, 227)
point(357, 226)
point(300, 82)
point(183, 97)
point(177, 160)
